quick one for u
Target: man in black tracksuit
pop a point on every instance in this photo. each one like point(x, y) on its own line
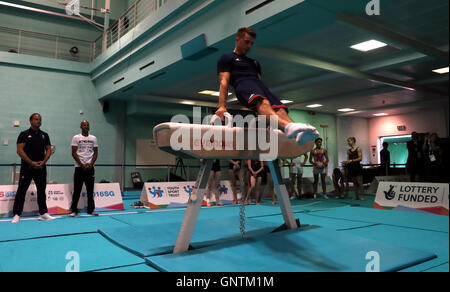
point(34, 148)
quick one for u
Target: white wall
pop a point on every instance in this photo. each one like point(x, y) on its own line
point(353, 127)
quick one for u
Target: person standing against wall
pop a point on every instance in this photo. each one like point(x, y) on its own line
point(34, 149)
point(385, 158)
point(354, 168)
point(319, 159)
point(84, 152)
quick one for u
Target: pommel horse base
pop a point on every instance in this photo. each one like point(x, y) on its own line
point(286, 149)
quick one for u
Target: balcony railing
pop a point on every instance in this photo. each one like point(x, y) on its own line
point(44, 45)
point(59, 47)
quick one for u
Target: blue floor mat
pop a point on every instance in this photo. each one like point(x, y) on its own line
point(315, 250)
point(396, 218)
point(155, 239)
point(64, 225)
point(435, 242)
point(162, 216)
point(307, 219)
point(141, 268)
point(49, 254)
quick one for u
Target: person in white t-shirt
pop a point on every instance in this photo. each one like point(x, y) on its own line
point(84, 152)
point(295, 175)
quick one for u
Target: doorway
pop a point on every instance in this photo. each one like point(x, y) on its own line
point(397, 148)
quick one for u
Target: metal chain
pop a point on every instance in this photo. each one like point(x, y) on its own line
point(242, 217)
point(242, 207)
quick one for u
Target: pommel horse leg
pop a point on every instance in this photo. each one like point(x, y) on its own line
point(193, 208)
point(282, 194)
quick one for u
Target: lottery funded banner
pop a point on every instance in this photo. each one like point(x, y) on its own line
point(428, 197)
point(176, 194)
point(107, 197)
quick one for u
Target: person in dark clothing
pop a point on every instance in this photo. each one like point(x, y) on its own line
point(354, 168)
point(385, 157)
point(244, 75)
point(433, 158)
point(415, 162)
point(34, 149)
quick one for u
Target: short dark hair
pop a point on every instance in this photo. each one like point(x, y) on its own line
point(318, 139)
point(243, 30)
point(32, 115)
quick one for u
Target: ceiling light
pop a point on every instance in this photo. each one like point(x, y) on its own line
point(187, 102)
point(441, 71)
point(213, 93)
point(344, 110)
point(381, 115)
point(368, 46)
point(284, 101)
point(314, 105)
point(207, 92)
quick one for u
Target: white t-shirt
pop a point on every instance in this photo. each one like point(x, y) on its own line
point(85, 147)
point(297, 167)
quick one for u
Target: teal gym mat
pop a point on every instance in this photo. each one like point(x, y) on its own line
point(160, 238)
point(161, 216)
point(307, 219)
point(63, 225)
point(141, 268)
point(435, 242)
point(314, 250)
point(396, 218)
point(58, 253)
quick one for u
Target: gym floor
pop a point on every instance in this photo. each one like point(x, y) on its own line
point(335, 235)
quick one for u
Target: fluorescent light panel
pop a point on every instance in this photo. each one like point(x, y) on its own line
point(314, 105)
point(441, 71)
point(368, 46)
point(344, 110)
point(213, 93)
point(381, 115)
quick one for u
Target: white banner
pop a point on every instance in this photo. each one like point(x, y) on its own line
point(107, 197)
point(429, 197)
point(176, 194)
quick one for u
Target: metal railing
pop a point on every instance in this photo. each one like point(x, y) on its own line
point(28, 42)
point(44, 45)
point(131, 17)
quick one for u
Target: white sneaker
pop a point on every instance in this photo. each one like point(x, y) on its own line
point(45, 217)
point(293, 129)
point(73, 214)
point(305, 137)
point(15, 219)
point(325, 197)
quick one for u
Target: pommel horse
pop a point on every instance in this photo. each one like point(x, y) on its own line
point(234, 143)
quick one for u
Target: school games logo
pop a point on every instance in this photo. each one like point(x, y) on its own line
point(156, 192)
point(223, 189)
point(188, 189)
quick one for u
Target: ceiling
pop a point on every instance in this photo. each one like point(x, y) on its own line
point(306, 58)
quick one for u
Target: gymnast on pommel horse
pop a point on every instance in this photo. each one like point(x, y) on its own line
point(293, 140)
